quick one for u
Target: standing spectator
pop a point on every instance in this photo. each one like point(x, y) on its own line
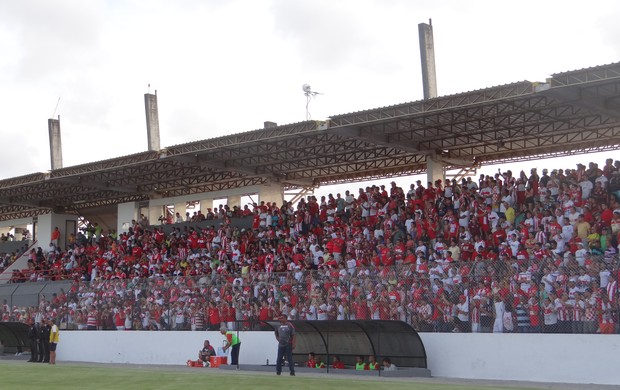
point(523, 317)
point(213, 315)
point(551, 316)
point(285, 334)
point(91, 321)
point(534, 315)
point(119, 319)
point(53, 340)
point(578, 307)
point(590, 324)
point(486, 314)
point(606, 315)
point(55, 238)
point(500, 310)
point(462, 315)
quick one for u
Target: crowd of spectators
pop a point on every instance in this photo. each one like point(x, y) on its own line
point(504, 253)
point(8, 258)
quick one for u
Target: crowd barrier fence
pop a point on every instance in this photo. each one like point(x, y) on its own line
point(451, 297)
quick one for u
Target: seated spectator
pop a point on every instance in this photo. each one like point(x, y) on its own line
point(314, 361)
point(311, 363)
point(360, 364)
point(338, 364)
point(206, 352)
point(388, 365)
point(372, 363)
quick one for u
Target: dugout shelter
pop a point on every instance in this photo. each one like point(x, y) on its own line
point(394, 339)
point(14, 337)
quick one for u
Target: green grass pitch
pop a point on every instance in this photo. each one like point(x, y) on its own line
point(21, 375)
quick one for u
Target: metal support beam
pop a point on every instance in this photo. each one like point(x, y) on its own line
point(355, 132)
point(461, 173)
point(587, 99)
point(30, 205)
point(457, 162)
point(300, 194)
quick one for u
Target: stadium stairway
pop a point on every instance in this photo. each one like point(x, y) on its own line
point(19, 264)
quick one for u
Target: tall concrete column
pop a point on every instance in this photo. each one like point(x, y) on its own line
point(434, 169)
point(206, 204)
point(271, 193)
point(152, 120)
point(46, 223)
point(53, 125)
point(233, 200)
point(126, 212)
point(181, 209)
point(427, 55)
point(154, 213)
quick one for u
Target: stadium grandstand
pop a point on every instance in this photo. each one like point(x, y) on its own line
point(512, 252)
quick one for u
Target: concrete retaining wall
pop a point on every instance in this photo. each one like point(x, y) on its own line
point(527, 357)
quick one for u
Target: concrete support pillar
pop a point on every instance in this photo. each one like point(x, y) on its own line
point(154, 213)
point(181, 209)
point(46, 223)
point(126, 213)
point(53, 126)
point(427, 54)
point(152, 120)
point(272, 193)
point(233, 200)
point(206, 204)
point(434, 169)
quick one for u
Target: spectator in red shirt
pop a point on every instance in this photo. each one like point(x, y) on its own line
point(337, 363)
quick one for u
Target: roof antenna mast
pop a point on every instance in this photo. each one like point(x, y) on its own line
point(309, 93)
point(56, 108)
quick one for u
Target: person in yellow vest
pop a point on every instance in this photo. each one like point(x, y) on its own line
point(54, 338)
point(372, 363)
point(232, 342)
point(359, 363)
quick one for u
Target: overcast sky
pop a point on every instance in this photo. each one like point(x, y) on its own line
point(226, 66)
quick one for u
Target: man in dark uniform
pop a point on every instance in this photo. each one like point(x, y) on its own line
point(44, 343)
point(285, 334)
point(33, 335)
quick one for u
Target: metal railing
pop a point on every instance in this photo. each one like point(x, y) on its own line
point(550, 295)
